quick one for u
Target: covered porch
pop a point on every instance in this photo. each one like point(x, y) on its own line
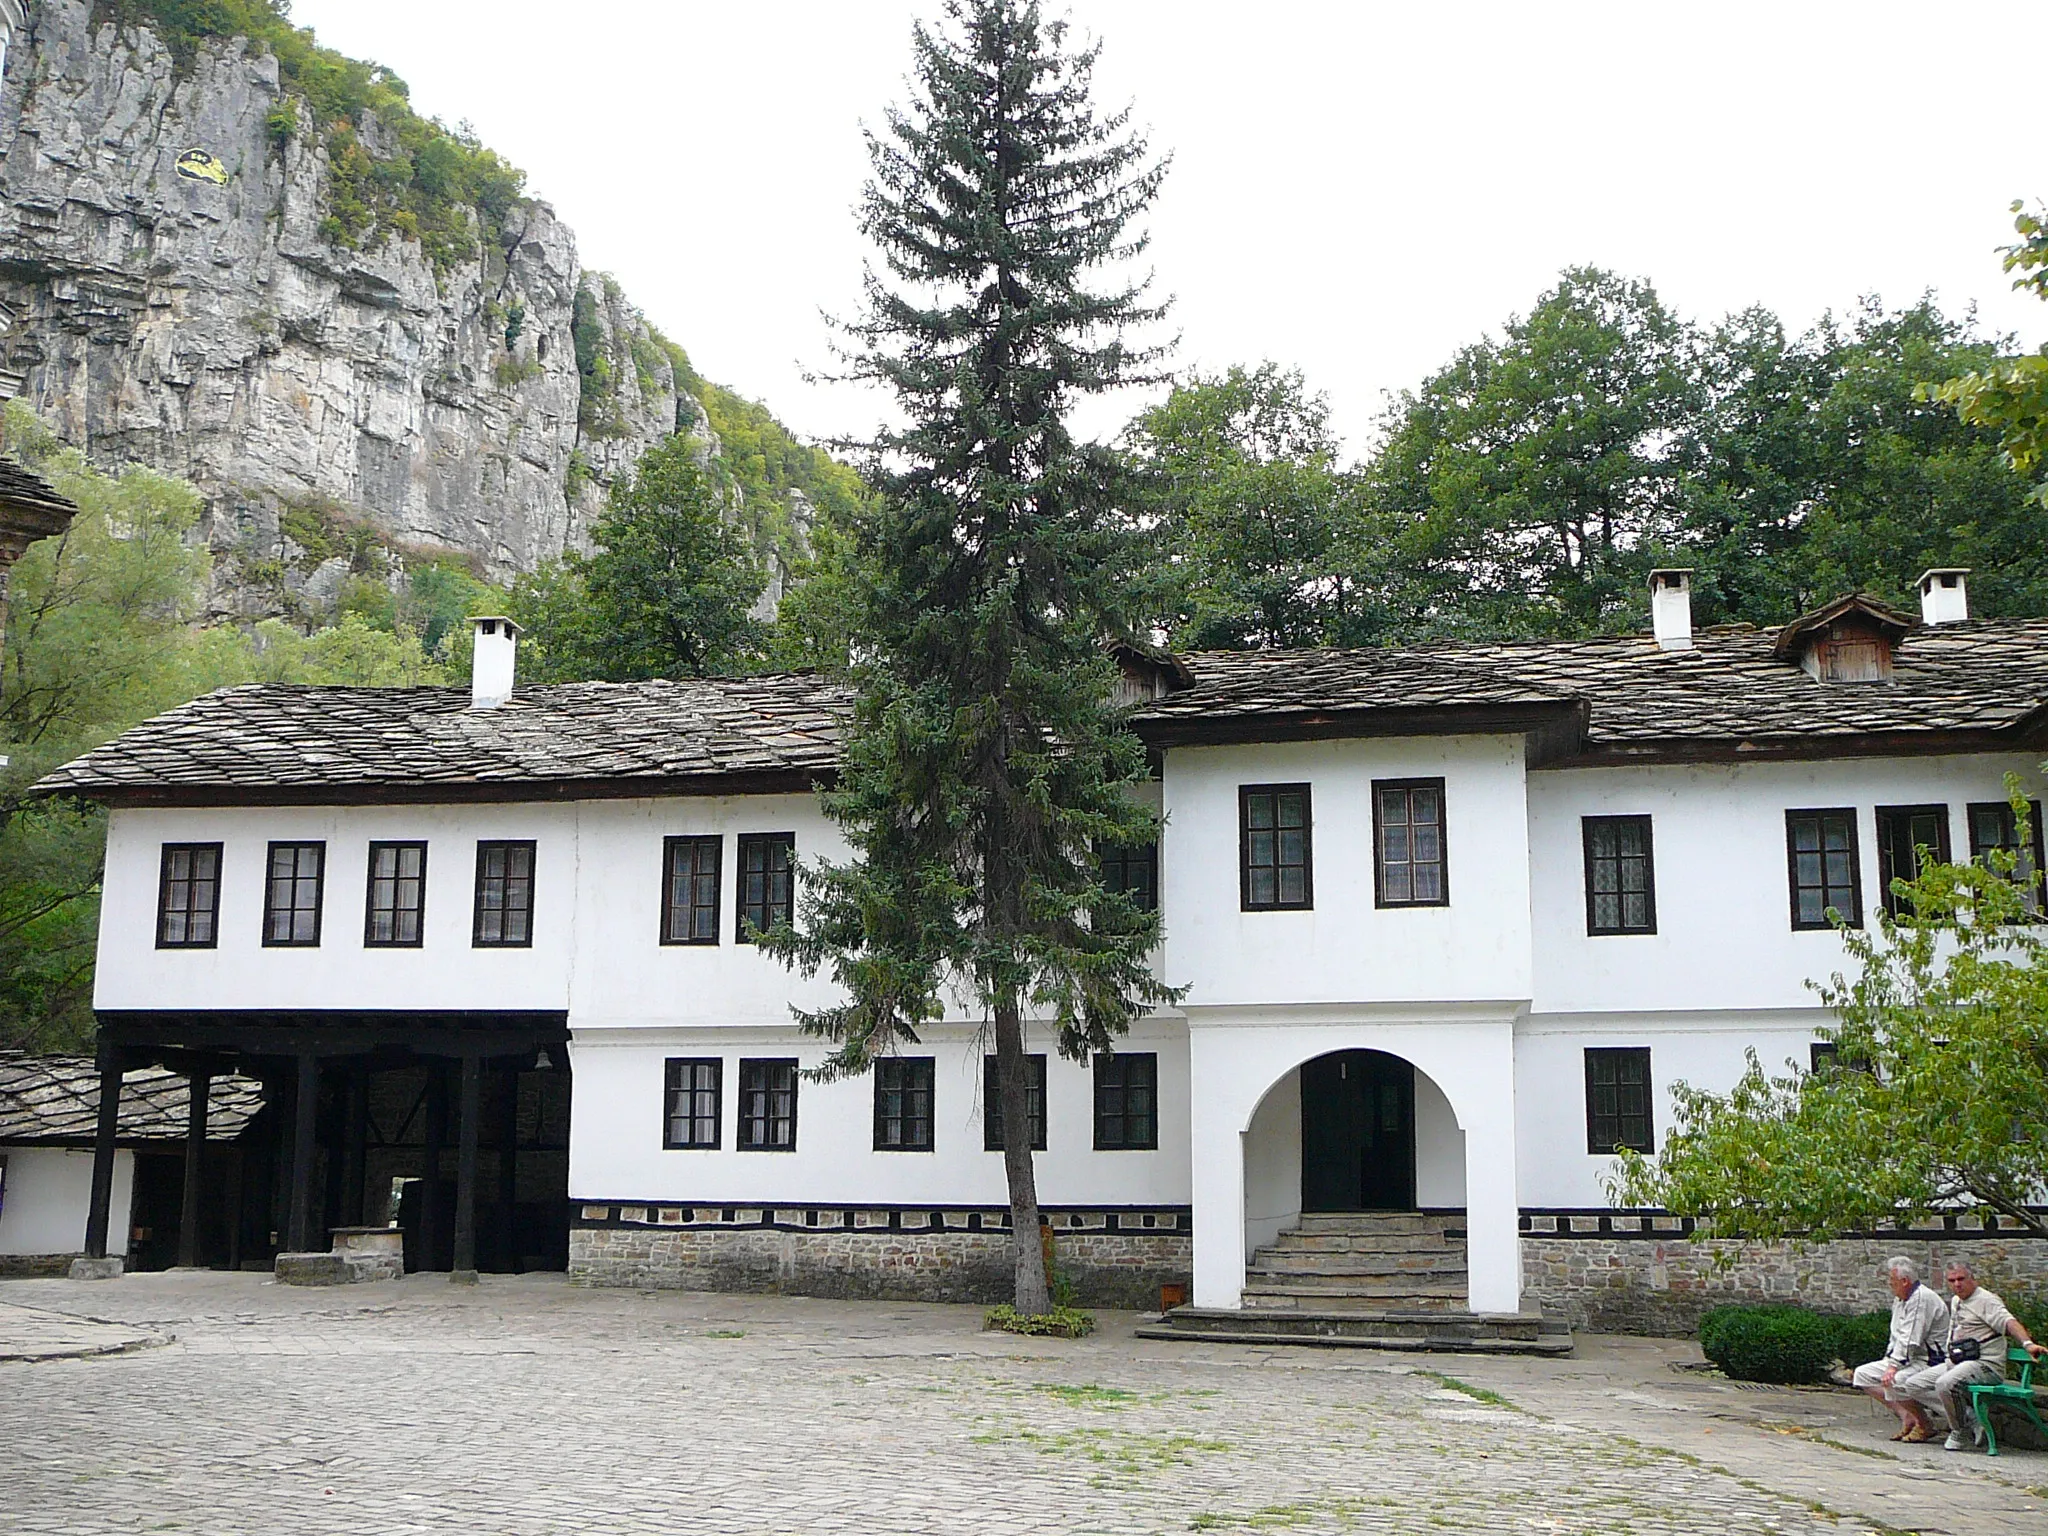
point(452, 1124)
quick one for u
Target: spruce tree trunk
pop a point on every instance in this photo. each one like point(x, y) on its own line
point(1034, 1295)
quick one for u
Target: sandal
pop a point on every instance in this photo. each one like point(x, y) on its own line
point(1904, 1430)
point(1917, 1436)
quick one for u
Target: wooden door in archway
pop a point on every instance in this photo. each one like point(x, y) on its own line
point(1357, 1133)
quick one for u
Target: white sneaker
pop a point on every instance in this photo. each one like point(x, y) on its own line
point(1956, 1441)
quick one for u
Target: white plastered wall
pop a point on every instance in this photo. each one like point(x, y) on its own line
point(47, 1194)
point(618, 1155)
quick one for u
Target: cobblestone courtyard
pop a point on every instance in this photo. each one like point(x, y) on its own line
point(527, 1406)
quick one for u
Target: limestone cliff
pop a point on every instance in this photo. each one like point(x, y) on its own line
point(209, 322)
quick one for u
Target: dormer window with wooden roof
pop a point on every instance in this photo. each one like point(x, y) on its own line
point(1849, 641)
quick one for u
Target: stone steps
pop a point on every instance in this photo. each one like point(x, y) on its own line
point(1362, 1261)
point(1325, 1223)
point(1446, 1331)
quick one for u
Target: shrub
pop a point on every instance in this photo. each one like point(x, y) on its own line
point(1059, 1323)
point(1781, 1344)
point(1861, 1337)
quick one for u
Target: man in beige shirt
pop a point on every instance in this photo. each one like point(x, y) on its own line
point(1975, 1316)
point(1904, 1379)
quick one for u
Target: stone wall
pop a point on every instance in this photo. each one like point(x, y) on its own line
point(1112, 1259)
point(35, 1266)
point(1648, 1274)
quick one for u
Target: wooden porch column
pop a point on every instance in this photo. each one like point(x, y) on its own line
point(508, 1173)
point(431, 1213)
point(305, 1123)
point(103, 1152)
point(354, 1137)
point(198, 1086)
point(463, 1271)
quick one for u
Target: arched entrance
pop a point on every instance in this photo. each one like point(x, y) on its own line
point(1278, 1111)
point(1357, 1133)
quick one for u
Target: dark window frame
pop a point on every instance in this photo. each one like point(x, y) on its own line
point(1245, 792)
point(506, 845)
point(163, 897)
point(992, 1104)
point(1598, 1145)
point(695, 934)
point(1826, 1056)
point(1116, 864)
point(370, 909)
point(915, 1075)
point(270, 907)
point(744, 910)
point(747, 1119)
point(670, 1088)
point(1443, 832)
point(1886, 873)
point(2008, 830)
point(1853, 914)
point(1115, 1063)
point(1621, 926)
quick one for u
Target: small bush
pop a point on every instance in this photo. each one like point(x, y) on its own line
point(1059, 1323)
point(1781, 1344)
point(1862, 1337)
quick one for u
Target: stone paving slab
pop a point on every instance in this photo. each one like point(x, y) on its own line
point(31, 1333)
point(527, 1407)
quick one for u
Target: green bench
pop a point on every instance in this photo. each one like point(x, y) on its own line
point(2019, 1393)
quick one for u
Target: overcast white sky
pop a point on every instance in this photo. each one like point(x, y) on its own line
point(1357, 189)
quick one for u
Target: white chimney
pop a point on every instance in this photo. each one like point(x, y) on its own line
point(1671, 609)
point(495, 646)
point(1944, 599)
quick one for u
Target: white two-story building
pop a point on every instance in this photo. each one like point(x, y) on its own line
point(1450, 921)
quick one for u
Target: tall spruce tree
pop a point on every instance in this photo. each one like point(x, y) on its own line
point(987, 762)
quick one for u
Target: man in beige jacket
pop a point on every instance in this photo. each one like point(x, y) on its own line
point(1904, 1379)
point(1978, 1326)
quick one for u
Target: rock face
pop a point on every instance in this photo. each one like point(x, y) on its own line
point(213, 331)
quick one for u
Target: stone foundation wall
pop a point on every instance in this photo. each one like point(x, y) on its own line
point(35, 1266)
point(1111, 1259)
point(1657, 1279)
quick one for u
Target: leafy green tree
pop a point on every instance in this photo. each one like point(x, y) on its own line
point(1937, 1098)
point(97, 638)
point(1243, 499)
point(352, 654)
point(2010, 395)
point(1902, 484)
point(669, 590)
point(985, 760)
point(820, 615)
point(1528, 486)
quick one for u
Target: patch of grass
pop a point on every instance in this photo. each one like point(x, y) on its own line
point(1086, 1396)
point(725, 1333)
point(1802, 1432)
point(1059, 1323)
point(1116, 1450)
point(1478, 1394)
point(1272, 1517)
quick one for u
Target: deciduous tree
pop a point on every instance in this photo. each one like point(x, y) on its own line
point(1938, 1095)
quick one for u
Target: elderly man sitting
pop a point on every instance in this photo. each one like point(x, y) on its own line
point(1904, 1380)
point(1978, 1326)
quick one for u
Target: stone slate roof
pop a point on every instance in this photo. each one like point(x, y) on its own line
point(566, 739)
point(57, 1099)
point(30, 501)
point(1986, 675)
point(1972, 686)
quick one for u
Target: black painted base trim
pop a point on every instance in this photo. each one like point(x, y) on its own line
point(1600, 1222)
point(876, 1219)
